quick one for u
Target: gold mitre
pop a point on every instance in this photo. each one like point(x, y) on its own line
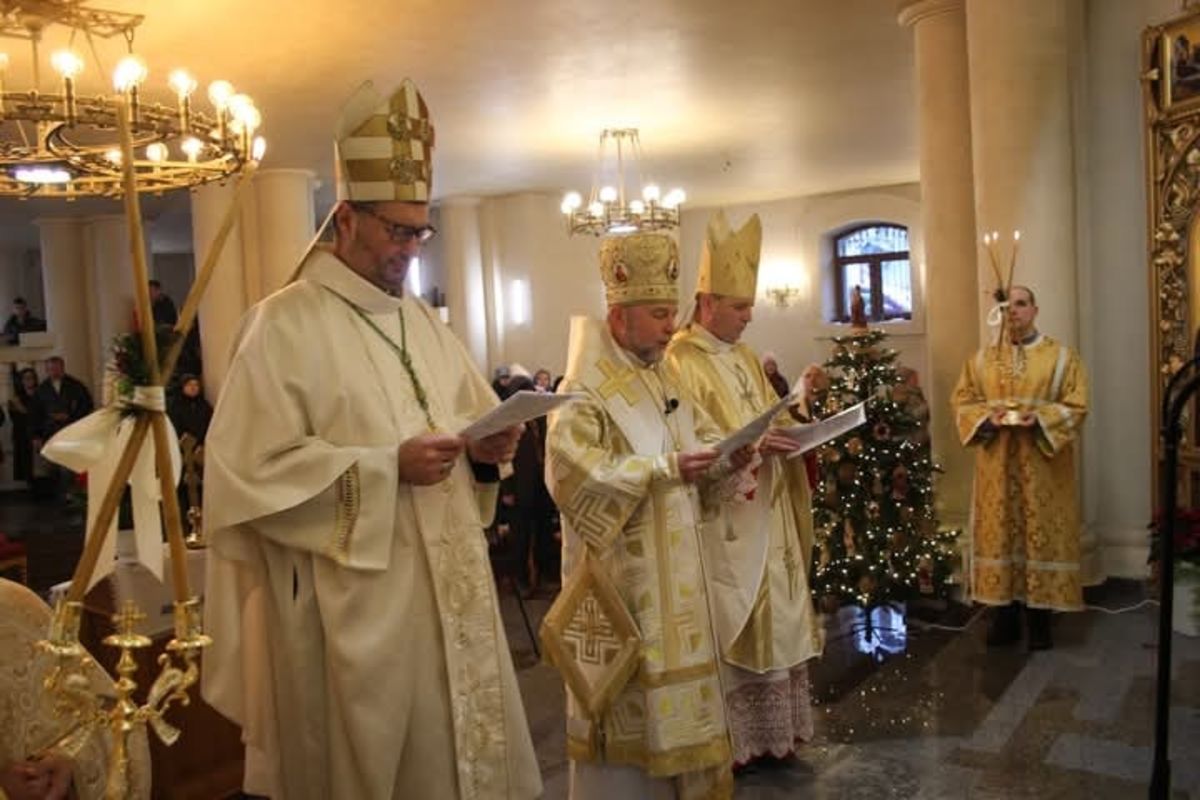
point(385, 146)
point(640, 268)
point(729, 262)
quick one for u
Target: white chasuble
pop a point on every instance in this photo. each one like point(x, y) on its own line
point(612, 471)
point(356, 632)
point(758, 548)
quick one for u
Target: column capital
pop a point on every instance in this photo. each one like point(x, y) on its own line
point(279, 172)
point(40, 221)
point(104, 218)
point(910, 12)
point(458, 201)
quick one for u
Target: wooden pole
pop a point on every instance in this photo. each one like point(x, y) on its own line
point(141, 292)
point(108, 508)
point(159, 372)
point(191, 305)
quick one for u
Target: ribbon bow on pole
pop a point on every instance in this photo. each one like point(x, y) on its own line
point(94, 445)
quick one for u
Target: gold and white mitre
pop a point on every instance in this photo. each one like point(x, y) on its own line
point(384, 146)
point(640, 268)
point(729, 262)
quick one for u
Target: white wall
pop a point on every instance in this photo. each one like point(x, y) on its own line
point(1115, 307)
point(795, 248)
point(523, 238)
point(560, 274)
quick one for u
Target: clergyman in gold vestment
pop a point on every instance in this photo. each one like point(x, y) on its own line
point(1020, 404)
point(631, 630)
point(758, 549)
point(356, 633)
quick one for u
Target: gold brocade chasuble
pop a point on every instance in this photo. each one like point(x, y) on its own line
point(758, 547)
point(1025, 511)
point(612, 471)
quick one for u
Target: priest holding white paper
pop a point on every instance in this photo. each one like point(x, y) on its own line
point(357, 638)
point(758, 550)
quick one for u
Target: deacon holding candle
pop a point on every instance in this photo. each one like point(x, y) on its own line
point(1020, 403)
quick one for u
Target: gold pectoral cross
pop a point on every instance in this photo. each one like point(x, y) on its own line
point(617, 380)
point(792, 565)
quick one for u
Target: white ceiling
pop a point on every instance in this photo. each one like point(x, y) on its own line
point(736, 101)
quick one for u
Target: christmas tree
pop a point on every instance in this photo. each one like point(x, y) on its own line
point(877, 534)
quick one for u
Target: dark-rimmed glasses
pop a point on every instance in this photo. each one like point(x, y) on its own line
point(398, 232)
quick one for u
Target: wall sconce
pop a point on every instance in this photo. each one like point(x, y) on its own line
point(518, 302)
point(783, 296)
point(784, 282)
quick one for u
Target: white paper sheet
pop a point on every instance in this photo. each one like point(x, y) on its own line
point(519, 407)
point(818, 433)
point(754, 429)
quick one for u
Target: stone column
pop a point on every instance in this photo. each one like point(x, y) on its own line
point(111, 278)
point(1021, 119)
point(462, 270)
point(948, 220)
point(225, 301)
point(64, 269)
point(285, 218)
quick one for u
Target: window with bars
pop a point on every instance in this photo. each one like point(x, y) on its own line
point(873, 257)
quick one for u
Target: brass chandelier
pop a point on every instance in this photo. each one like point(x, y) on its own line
point(615, 205)
point(63, 144)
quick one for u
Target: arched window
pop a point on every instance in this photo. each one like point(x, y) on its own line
point(873, 257)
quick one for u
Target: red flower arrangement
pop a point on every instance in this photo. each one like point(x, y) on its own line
point(1187, 536)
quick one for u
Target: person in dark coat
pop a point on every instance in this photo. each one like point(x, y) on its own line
point(62, 398)
point(190, 412)
point(161, 306)
point(778, 382)
point(24, 410)
point(532, 510)
point(21, 321)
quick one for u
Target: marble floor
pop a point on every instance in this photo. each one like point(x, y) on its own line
point(941, 717)
point(949, 718)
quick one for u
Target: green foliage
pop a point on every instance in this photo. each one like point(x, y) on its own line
point(878, 539)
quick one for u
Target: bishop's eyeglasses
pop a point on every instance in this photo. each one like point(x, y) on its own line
point(398, 232)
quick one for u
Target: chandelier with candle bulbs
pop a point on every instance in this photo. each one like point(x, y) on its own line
point(56, 141)
point(620, 201)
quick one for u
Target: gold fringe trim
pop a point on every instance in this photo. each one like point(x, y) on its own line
point(348, 489)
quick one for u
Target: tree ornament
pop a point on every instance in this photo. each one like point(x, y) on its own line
point(925, 575)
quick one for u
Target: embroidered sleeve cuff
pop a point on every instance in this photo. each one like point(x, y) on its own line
point(666, 468)
point(352, 520)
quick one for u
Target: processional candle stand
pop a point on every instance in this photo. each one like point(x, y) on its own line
point(1180, 389)
point(67, 682)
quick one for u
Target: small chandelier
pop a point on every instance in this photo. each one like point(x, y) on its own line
point(62, 144)
point(610, 209)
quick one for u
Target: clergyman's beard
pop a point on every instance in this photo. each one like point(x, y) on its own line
point(649, 356)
